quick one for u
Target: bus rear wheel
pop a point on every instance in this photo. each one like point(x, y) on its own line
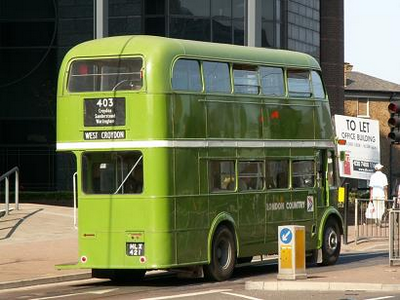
point(331, 243)
point(223, 255)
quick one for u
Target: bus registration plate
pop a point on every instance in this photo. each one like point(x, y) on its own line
point(135, 249)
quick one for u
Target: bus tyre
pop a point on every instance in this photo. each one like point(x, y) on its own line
point(223, 255)
point(331, 243)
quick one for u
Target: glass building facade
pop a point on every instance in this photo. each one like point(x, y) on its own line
point(35, 36)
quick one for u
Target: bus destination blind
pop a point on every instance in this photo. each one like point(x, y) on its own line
point(104, 112)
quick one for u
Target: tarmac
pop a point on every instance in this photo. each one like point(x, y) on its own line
point(37, 237)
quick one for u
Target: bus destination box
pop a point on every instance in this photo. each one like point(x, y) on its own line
point(292, 254)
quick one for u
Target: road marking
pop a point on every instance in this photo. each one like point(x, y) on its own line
point(379, 298)
point(187, 295)
point(241, 296)
point(99, 292)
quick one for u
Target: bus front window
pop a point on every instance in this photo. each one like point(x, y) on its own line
point(105, 75)
point(112, 172)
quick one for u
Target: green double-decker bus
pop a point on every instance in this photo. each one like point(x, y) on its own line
point(191, 154)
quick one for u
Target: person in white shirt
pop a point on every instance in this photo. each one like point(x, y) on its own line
point(378, 192)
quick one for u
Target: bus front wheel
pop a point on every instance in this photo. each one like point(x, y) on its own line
point(223, 255)
point(331, 243)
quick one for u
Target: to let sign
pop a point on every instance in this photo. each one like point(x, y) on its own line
point(361, 152)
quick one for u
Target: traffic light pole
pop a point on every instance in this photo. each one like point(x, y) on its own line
point(391, 170)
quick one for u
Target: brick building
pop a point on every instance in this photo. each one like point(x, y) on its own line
point(369, 97)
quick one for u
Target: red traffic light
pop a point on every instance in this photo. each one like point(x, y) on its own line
point(394, 122)
point(394, 108)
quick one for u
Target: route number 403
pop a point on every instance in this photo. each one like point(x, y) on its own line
point(106, 102)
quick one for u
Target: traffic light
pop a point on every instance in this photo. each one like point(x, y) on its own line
point(394, 122)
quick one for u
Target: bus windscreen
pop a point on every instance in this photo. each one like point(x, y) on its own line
point(97, 75)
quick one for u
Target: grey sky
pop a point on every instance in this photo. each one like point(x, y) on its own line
point(372, 37)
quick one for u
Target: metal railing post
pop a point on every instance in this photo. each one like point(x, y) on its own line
point(7, 195)
point(17, 190)
point(356, 223)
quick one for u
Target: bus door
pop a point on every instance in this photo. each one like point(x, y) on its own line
point(326, 178)
point(304, 197)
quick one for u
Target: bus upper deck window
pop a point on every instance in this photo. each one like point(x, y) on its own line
point(299, 83)
point(318, 87)
point(245, 79)
point(187, 76)
point(216, 77)
point(105, 75)
point(272, 81)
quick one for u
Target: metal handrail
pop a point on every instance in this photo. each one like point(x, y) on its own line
point(6, 178)
point(74, 184)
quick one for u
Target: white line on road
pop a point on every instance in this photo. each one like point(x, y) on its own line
point(187, 295)
point(380, 298)
point(241, 296)
point(99, 292)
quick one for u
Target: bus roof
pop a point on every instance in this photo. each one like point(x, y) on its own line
point(149, 46)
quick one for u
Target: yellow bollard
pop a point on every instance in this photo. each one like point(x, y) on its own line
point(292, 252)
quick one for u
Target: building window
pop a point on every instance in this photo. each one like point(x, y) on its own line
point(363, 108)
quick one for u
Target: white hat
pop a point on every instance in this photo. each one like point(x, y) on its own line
point(378, 166)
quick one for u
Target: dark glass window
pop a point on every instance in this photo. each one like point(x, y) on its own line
point(216, 77)
point(190, 8)
point(221, 8)
point(238, 8)
point(238, 32)
point(317, 84)
point(299, 83)
point(251, 175)
point(187, 75)
point(277, 174)
point(155, 7)
point(155, 26)
point(191, 29)
point(303, 174)
point(112, 172)
point(222, 31)
point(105, 75)
point(245, 79)
point(272, 81)
point(222, 176)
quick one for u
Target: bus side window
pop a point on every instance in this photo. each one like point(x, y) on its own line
point(216, 77)
point(186, 76)
point(318, 87)
point(251, 175)
point(277, 174)
point(221, 175)
point(272, 81)
point(303, 174)
point(299, 83)
point(245, 79)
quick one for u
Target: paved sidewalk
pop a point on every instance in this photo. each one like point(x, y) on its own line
point(32, 241)
point(37, 237)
